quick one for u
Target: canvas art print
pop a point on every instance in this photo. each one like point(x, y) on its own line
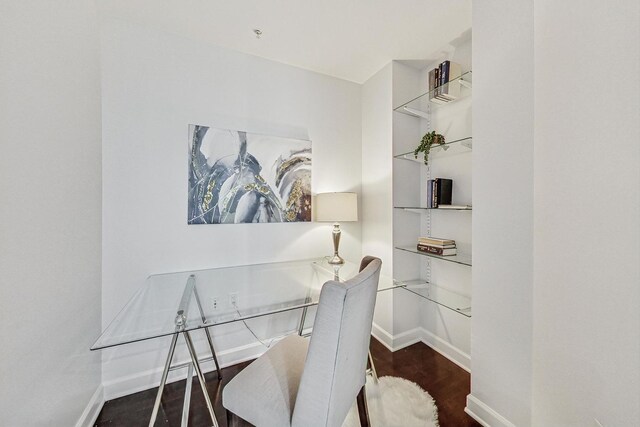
point(240, 177)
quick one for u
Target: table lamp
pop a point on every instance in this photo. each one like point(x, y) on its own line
point(336, 208)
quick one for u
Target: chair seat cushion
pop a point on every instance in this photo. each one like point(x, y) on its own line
point(264, 393)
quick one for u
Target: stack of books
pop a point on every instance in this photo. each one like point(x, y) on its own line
point(436, 246)
point(439, 192)
point(443, 85)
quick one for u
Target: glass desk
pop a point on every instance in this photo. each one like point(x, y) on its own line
point(176, 304)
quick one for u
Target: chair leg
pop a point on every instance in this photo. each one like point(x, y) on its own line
point(363, 410)
point(372, 367)
point(229, 418)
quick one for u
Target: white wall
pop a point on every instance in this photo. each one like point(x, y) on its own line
point(377, 238)
point(502, 281)
point(586, 294)
point(154, 85)
point(50, 177)
point(556, 329)
point(376, 166)
point(396, 315)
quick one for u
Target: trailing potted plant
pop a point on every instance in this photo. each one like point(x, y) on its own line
point(429, 139)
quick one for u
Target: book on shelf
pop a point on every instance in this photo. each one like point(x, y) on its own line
point(438, 246)
point(432, 81)
point(434, 85)
point(450, 89)
point(444, 85)
point(443, 73)
point(439, 192)
point(436, 241)
point(436, 250)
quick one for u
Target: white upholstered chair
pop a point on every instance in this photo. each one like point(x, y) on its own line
point(313, 383)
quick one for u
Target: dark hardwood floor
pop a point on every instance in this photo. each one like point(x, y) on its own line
point(446, 382)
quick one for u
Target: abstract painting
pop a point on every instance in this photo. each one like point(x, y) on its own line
point(241, 177)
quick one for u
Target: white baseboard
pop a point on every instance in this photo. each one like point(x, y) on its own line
point(92, 410)
point(396, 342)
point(419, 334)
point(446, 349)
point(151, 378)
point(484, 414)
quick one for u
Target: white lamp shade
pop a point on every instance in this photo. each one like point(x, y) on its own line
point(336, 207)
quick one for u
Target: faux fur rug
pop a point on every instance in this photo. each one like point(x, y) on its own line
point(396, 402)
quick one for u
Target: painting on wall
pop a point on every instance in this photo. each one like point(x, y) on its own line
point(241, 177)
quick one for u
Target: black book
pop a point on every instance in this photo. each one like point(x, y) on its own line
point(445, 73)
point(440, 81)
point(435, 193)
point(432, 81)
point(439, 192)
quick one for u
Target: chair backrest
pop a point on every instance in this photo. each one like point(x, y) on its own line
point(334, 371)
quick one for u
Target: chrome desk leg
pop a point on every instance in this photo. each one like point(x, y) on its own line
point(203, 385)
point(373, 368)
point(163, 380)
point(213, 354)
point(303, 317)
point(206, 331)
point(187, 397)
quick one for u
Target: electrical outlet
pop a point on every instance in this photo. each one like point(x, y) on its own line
point(214, 303)
point(233, 299)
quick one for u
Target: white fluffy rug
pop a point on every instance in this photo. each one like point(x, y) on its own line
point(396, 402)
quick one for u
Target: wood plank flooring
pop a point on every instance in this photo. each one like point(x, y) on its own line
point(445, 381)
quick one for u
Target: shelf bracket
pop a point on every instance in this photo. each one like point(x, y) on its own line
point(465, 83)
point(415, 112)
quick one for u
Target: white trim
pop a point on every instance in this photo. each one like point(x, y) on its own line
point(145, 380)
point(419, 334)
point(407, 338)
point(446, 349)
point(484, 414)
point(396, 342)
point(93, 408)
point(383, 336)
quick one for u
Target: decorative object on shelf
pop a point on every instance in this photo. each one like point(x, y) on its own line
point(439, 192)
point(336, 208)
point(241, 177)
point(457, 146)
point(429, 139)
point(459, 258)
point(437, 246)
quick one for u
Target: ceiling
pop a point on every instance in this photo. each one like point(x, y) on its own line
point(349, 39)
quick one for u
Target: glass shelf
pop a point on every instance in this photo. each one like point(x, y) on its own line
point(417, 209)
point(456, 146)
point(460, 258)
point(420, 105)
point(453, 301)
